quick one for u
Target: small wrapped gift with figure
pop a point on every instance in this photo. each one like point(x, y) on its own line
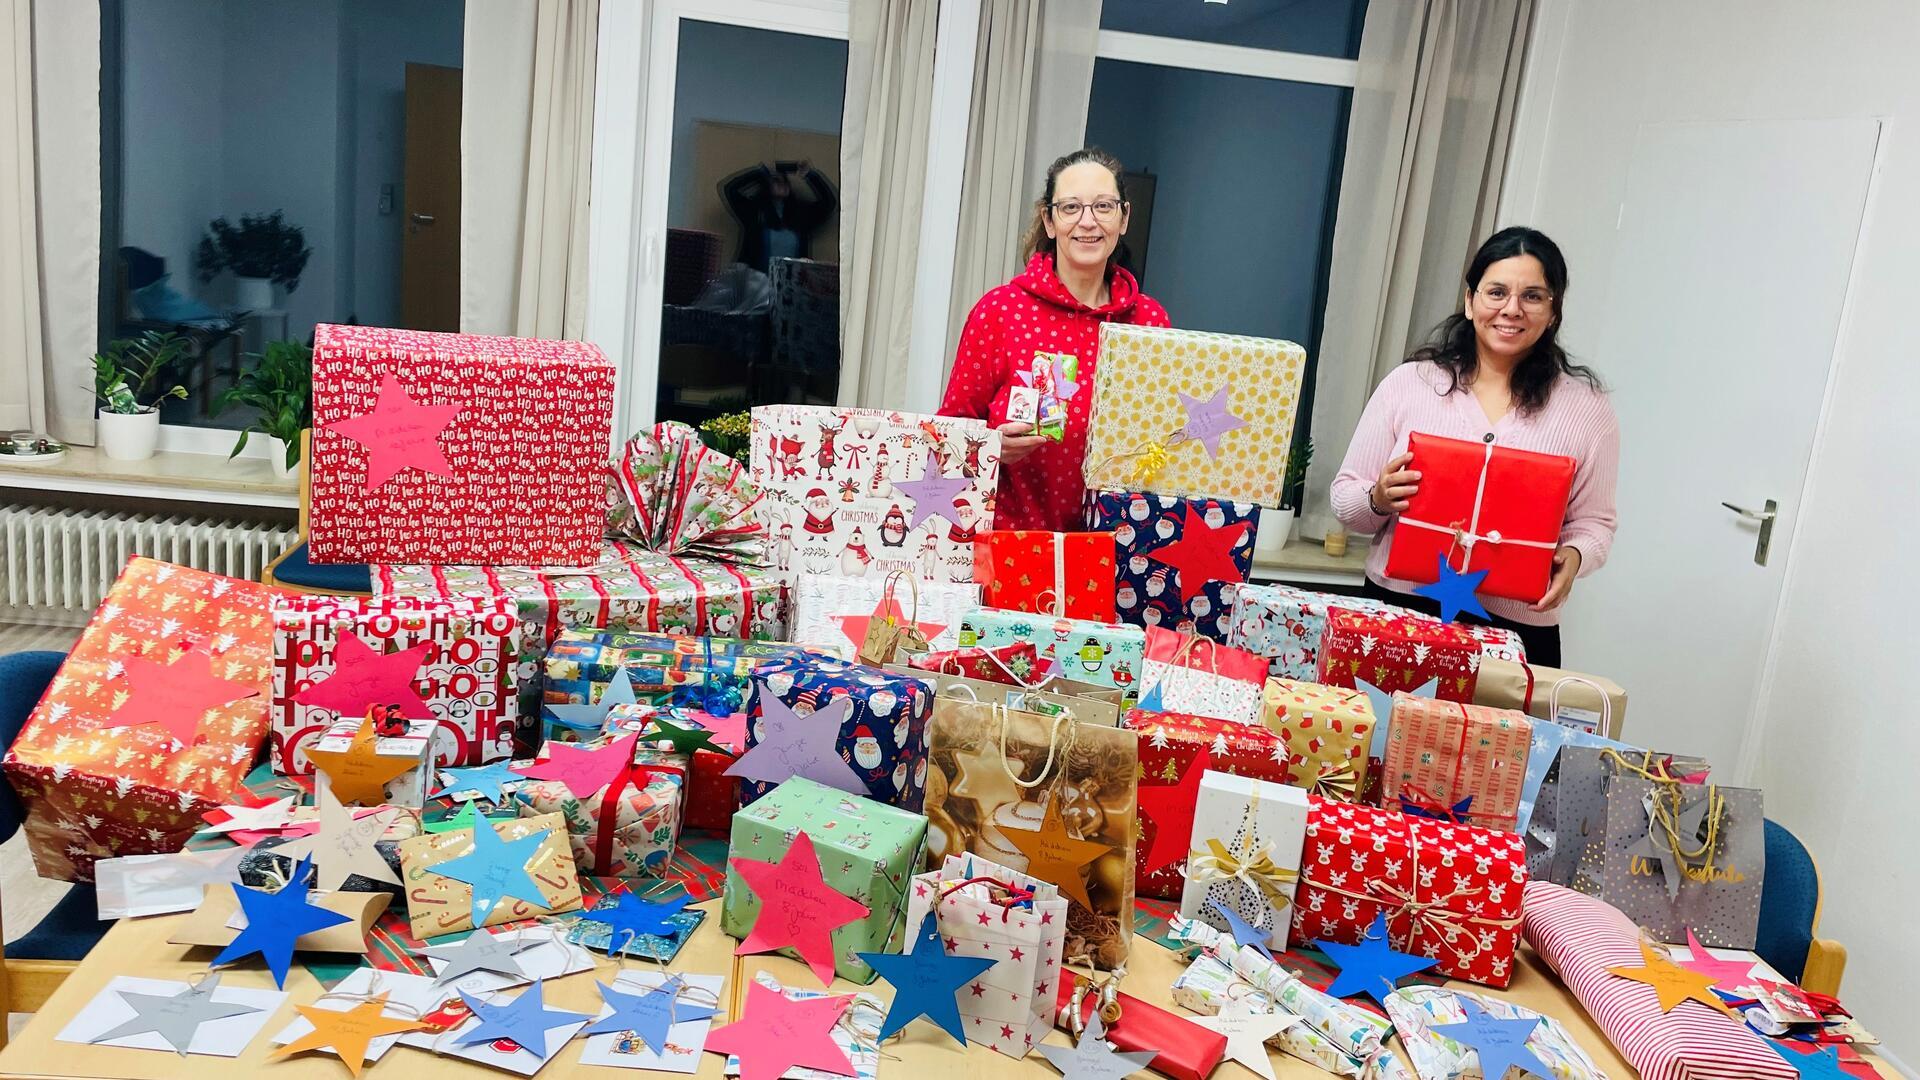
point(377, 759)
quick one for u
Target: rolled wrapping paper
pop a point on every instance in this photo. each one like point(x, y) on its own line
point(1350, 1032)
point(1415, 1010)
point(1208, 984)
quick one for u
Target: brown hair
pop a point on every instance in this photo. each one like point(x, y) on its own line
point(1036, 239)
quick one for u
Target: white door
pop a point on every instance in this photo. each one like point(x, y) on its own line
point(1731, 269)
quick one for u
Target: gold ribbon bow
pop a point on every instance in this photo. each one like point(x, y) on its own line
point(1255, 869)
point(1337, 780)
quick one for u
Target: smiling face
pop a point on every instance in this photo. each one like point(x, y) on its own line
point(1511, 307)
point(1086, 242)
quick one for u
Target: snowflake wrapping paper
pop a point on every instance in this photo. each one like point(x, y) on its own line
point(1326, 731)
point(1170, 744)
point(1104, 654)
point(628, 833)
point(865, 492)
point(1451, 892)
point(1149, 385)
point(93, 791)
point(1245, 844)
point(1191, 674)
point(884, 734)
point(1440, 753)
point(830, 612)
point(1286, 625)
point(466, 676)
point(513, 475)
point(1147, 592)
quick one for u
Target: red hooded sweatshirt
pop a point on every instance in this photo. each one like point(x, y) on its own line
point(1036, 313)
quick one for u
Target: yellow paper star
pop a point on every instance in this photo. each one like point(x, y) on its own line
point(359, 774)
point(1055, 855)
point(1672, 982)
point(347, 1033)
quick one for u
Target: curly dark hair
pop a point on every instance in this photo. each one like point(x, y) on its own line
point(1452, 345)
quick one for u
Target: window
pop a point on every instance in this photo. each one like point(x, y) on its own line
point(336, 114)
point(1314, 27)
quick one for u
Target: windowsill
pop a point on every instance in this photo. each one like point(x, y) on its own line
point(203, 478)
point(1306, 561)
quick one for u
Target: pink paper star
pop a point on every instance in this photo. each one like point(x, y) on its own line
point(364, 677)
point(797, 907)
point(1727, 973)
point(855, 626)
point(774, 1034)
point(399, 433)
point(1208, 419)
point(583, 771)
point(729, 731)
point(176, 696)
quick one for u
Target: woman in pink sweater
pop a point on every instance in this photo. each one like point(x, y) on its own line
point(1496, 372)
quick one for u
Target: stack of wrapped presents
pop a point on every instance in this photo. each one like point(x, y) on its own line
point(591, 690)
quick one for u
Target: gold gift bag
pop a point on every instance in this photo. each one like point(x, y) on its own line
point(1046, 796)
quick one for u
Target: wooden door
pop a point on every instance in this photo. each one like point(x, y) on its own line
point(430, 245)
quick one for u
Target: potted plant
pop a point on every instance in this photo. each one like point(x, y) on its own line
point(1276, 527)
point(262, 251)
point(730, 434)
point(127, 375)
point(280, 385)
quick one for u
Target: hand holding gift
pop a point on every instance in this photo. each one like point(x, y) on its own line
point(1476, 508)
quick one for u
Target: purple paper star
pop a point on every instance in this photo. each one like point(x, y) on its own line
point(932, 494)
point(1209, 419)
point(795, 745)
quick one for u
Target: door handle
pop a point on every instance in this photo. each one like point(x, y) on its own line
point(421, 219)
point(1765, 517)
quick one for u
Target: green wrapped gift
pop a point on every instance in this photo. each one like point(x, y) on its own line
point(1105, 654)
point(868, 851)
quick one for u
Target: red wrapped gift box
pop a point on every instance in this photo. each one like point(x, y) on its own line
point(457, 448)
point(1440, 753)
point(1399, 653)
point(1449, 891)
point(1066, 575)
point(1170, 781)
point(93, 790)
point(1183, 1049)
point(1482, 507)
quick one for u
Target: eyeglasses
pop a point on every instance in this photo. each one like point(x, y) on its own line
point(1071, 209)
point(1530, 299)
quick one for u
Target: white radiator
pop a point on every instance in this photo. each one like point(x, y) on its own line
point(59, 563)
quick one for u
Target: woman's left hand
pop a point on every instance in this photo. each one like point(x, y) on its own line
point(1566, 567)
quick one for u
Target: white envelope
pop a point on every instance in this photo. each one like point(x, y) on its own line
point(136, 885)
point(225, 1037)
point(686, 1040)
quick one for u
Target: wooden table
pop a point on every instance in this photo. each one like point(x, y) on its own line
point(138, 947)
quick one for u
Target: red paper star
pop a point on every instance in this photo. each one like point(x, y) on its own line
point(583, 771)
point(176, 696)
point(797, 907)
point(1168, 806)
point(1202, 553)
point(774, 1034)
point(364, 677)
point(1727, 973)
point(399, 433)
point(855, 626)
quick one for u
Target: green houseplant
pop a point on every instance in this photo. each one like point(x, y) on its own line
point(279, 384)
point(262, 251)
point(128, 379)
point(729, 434)
point(1276, 526)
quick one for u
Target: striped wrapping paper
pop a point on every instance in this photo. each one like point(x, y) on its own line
point(1580, 938)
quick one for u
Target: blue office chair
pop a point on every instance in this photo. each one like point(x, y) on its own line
point(39, 961)
point(295, 572)
point(1790, 914)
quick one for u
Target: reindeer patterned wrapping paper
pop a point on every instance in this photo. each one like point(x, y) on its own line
point(94, 791)
point(457, 448)
point(865, 492)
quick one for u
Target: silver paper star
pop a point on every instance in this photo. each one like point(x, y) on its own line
point(478, 951)
point(1655, 848)
point(1093, 1057)
point(1247, 1033)
point(344, 845)
point(174, 1017)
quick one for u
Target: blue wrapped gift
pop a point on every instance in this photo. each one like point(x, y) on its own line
point(883, 737)
point(1147, 592)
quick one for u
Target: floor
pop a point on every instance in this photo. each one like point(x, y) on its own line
point(25, 897)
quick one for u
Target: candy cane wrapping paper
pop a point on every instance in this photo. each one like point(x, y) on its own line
point(440, 905)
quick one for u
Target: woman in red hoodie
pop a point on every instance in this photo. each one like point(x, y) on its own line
point(1050, 311)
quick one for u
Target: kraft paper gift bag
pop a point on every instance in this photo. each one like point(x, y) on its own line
point(1569, 813)
point(1590, 703)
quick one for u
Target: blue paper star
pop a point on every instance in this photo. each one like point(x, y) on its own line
point(628, 916)
point(526, 1020)
point(1372, 967)
point(1821, 1064)
point(496, 868)
point(1455, 592)
point(1459, 811)
point(927, 981)
point(275, 920)
point(1153, 700)
point(1244, 932)
point(1382, 703)
point(650, 1015)
point(592, 717)
point(1501, 1044)
point(484, 779)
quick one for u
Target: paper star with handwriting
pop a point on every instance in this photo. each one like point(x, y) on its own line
point(177, 696)
point(926, 981)
point(1208, 419)
point(363, 677)
point(1170, 808)
point(1500, 1044)
point(344, 845)
point(360, 773)
point(1372, 967)
point(1671, 982)
point(932, 494)
point(650, 1015)
point(792, 745)
point(592, 717)
point(174, 1017)
point(275, 920)
point(487, 782)
point(775, 1034)
point(798, 909)
point(1202, 553)
point(400, 433)
point(1247, 1033)
point(729, 731)
point(1055, 855)
point(496, 869)
point(525, 1020)
point(277, 814)
point(584, 771)
point(1093, 1057)
point(348, 1033)
point(1244, 933)
point(1455, 592)
point(478, 951)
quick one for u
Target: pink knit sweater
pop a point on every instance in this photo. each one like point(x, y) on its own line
point(1577, 421)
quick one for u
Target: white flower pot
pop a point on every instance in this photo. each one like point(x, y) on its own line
point(129, 436)
point(1275, 527)
point(253, 293)
point(277, 450)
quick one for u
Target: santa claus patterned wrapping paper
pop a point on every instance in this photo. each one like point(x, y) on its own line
point(1104, 654)
point(864, 492)
point(1451, 892)
point(464, 672)
point(457, 448)
point(1398, 653)
point(1286, 625)
point(1175, 749)
point(155, 716)
point(1441, 754)
point(883, 736)
point(1326, 731)
point(831, 613)
point(1066, 575)
point(1149, 591)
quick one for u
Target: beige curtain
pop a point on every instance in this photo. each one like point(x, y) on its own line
point(23, 391)
point(526, 152)
point(883, 166)
point(1032, 76)
point(1426, 149)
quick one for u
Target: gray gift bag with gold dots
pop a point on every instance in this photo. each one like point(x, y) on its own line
point(1570, 813)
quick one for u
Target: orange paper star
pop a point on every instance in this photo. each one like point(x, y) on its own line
point(1055, 855)
point(347, 1033)
point(1672, 982)
point(359, 774)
